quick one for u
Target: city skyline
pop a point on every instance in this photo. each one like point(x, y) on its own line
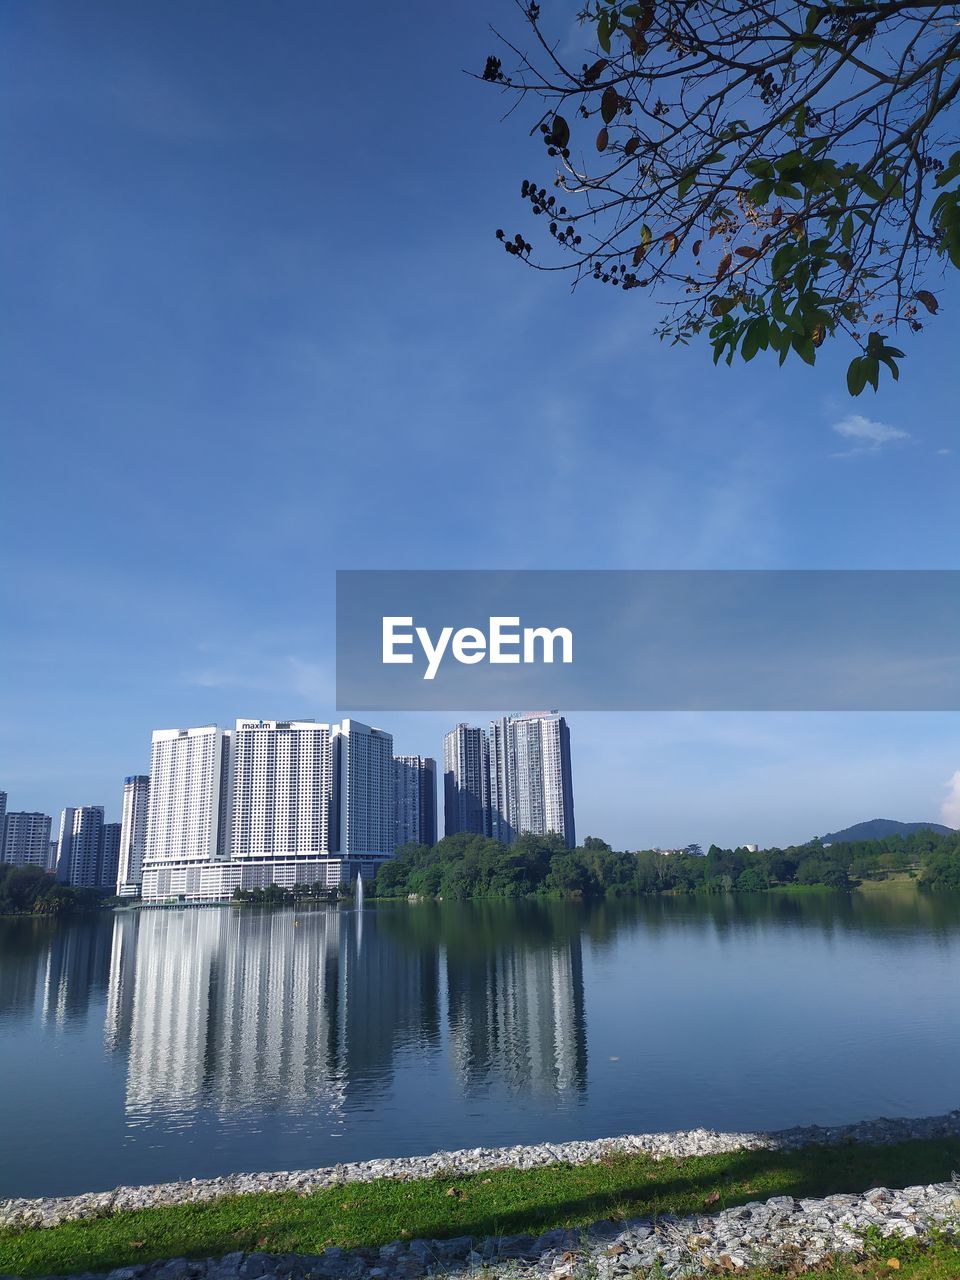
point(745, 827)
point(293, 802)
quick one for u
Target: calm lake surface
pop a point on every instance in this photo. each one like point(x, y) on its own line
point(141, 1047)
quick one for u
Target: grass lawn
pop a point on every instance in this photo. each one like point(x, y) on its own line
point(507, 1201)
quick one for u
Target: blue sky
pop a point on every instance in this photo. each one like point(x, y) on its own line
point(256, 327)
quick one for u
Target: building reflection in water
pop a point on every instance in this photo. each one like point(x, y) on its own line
point(261, 1010)
point(23, 946)
point(247, 1010)
point(76, 971)
point(517, 1016)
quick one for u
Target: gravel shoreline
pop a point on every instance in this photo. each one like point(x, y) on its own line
point(781, 1231)
point(50, 1211)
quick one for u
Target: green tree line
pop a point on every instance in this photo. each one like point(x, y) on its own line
point(472, 866)
point(33, 891)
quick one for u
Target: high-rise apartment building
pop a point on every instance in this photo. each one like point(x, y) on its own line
point(80, 846)
point(3, 819)
point(283, 802)
point(282, 789)
point(189, 783)
point(363, 795)
point(466, 787)
point(109, 856)
point(26, 840)
point(188, 813)
point(531, 785)
point(133, 834)
point(415, 780)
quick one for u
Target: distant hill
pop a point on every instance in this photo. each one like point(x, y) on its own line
point(880, 828)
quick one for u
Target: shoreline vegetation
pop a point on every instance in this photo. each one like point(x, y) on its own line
point(465, 867)
point(33, 891)
point(498, 1202)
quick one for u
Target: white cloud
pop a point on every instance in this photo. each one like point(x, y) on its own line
point(277, 675)
point(866, 435)
point(950, 809)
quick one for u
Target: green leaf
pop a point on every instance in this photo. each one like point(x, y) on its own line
point(686, 182)
point(778, 338)
point(790, 161)
point(797, 322)
point(755, 338)
point(869, 186)
point(856, 375)
point(782, 261)
point(846, 232)
point(603, 33)
point(951, 171)
point(759, 168)
point(804, 348)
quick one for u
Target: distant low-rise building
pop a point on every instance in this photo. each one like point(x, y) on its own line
point(26, 840)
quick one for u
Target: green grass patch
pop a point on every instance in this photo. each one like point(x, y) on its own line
point(506, 1201)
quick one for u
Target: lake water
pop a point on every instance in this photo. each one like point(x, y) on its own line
point(141, 1047)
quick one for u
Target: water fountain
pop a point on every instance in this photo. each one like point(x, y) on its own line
point(359, 892)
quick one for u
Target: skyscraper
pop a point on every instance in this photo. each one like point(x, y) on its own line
point(282, 789)
point(26, 840)
point(109, 856)
point(466, 793)
point(80, 846)
point(188, 811)
point(285, 802)
point(531, 786)
point(3, 819)
point(415, 780)
point(133, 834)
point(363, 795)
point(189, 781)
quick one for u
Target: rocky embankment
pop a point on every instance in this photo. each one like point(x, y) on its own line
point(779, 1231)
